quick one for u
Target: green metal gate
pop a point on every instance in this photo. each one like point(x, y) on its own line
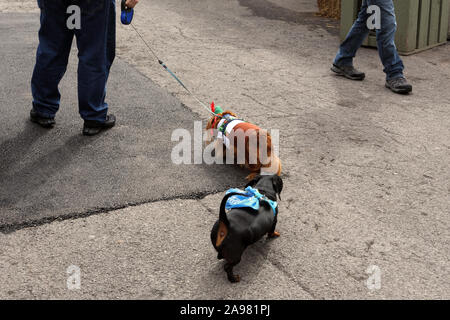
point(421, 24)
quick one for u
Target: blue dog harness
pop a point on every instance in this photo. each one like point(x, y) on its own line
point(250, 198)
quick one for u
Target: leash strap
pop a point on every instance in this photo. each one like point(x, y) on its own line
point(173, 74)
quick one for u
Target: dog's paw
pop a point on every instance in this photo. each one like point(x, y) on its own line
point(275, 234)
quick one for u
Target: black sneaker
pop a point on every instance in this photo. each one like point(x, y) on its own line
point(91, 128)
point(399, 85)
point(43, 122)
point(349, 72)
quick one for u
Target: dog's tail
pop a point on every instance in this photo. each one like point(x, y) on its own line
point(224, 224)
point(222, 213)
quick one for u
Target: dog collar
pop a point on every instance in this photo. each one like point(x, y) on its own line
point(248, 198)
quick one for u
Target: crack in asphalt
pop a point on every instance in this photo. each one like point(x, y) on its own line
point(277, 265)
point(10, 228)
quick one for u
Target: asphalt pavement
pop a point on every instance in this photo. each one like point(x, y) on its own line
point(366, 174)
point(58, 173)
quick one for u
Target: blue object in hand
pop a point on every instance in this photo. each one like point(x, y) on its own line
point(127, 13)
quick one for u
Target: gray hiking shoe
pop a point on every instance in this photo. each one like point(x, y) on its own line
point(399, 85)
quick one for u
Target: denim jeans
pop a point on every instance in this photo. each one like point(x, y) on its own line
point(393, 65)
point(96, 50)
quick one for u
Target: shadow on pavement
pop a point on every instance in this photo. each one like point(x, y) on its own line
point(58, 173)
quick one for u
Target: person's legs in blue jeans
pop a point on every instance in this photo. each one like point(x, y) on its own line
point(55, 40)
point(96, 45)
point(393, 65)
point(354, 39)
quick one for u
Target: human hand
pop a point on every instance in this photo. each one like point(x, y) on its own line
point(131, 3)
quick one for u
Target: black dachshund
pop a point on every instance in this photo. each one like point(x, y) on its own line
point(240, 227)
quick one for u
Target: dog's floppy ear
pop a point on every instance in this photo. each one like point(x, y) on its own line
point(277, 184)
point(253, 182)
point(209, 124)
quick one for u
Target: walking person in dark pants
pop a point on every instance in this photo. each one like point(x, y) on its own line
point(393, 65)
point(96, 42)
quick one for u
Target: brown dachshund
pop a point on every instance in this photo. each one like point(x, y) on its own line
point(243, 141)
